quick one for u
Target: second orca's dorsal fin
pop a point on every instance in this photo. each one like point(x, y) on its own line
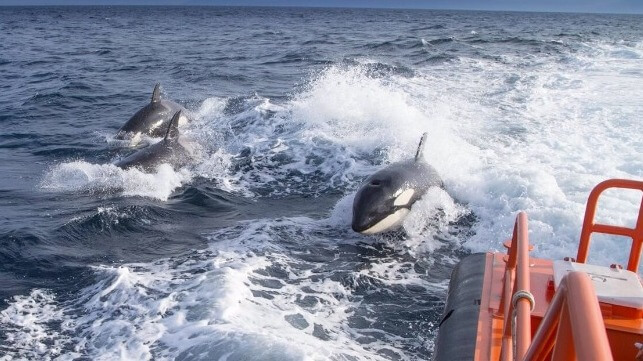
point(173, 127)
point(420, 151)
point(156, 94)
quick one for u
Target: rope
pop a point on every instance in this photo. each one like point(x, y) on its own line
point(514, 301)
point(523, 294)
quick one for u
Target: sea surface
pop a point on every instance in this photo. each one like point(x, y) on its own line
point(247, 253)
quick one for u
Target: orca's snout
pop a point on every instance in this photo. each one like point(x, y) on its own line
point(359, 224)
point(367, 206)
point(355, 226)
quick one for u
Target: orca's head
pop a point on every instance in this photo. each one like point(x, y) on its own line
point(381, 204)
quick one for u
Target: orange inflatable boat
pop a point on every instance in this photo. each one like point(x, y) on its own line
point(510, 306)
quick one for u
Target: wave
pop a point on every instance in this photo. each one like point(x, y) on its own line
point(437, 41)
point(287, 288)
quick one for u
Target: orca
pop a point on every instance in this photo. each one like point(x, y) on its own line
point(385, 198)
point(152, 119)
point(173, 149)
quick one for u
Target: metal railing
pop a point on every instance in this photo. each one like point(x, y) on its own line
point(572, 328)
point(590, 227)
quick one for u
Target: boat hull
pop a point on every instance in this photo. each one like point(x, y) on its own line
point(458, 329)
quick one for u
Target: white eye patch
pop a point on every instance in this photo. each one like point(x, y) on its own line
point(403, 198)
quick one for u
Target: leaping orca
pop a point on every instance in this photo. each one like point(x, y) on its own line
point(152, 119)
point(385, 198)
point(173, 149)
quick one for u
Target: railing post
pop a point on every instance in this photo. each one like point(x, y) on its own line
point(590, 338)
point(574, 312)
point(507, 346)
point(588, 223)
point(517, 285)
point(564, 341)
point(637, 242)
point(506, 349)
point(523, 305)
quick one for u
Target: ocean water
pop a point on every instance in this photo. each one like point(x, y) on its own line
point(247, 253)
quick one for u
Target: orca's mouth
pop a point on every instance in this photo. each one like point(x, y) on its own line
point(362, 223)
point(386, 223)
point(360, 227)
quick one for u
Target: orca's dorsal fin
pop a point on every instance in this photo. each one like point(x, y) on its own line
point(156, 94)
point(420, 151)
point(173, 127)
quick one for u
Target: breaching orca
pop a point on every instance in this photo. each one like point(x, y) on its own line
point(152, 119)
point(173, 149)
point(385, 198)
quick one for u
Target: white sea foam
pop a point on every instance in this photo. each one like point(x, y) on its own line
point(430, 221)
point(246, 297)
point(576, 127)
point(108, 178)
point(328, 137)
point(29, 325)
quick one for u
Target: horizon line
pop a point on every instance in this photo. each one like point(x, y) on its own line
point(322, 7)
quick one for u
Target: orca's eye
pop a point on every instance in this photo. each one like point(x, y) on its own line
point(375, 183)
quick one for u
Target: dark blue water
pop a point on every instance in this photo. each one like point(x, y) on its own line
point(248, 253)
